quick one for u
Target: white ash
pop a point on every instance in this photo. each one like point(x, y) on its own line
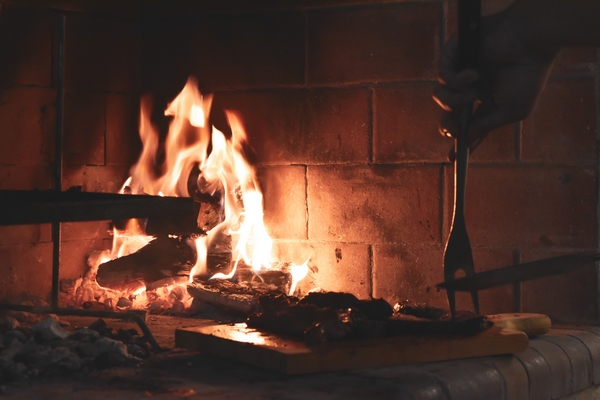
point(48, 349)
point(47, 331)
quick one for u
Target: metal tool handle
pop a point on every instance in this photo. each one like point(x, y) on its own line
point(469, 38)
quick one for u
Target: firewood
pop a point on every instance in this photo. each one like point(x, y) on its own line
point(238, 298)
point(280, 278)
point(225, 295)
point(162, 258)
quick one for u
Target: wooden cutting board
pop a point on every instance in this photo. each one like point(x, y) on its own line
point(293, 357)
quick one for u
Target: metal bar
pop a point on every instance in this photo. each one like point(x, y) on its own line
point(60, 103)
point(133, 316)
point(29, 207)
point(58, 156)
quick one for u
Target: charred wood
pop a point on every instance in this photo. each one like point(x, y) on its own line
point(160, 259)
point(279, 278)
point(238, 298)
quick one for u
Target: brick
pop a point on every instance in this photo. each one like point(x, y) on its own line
point(20, 234)
point(374, 204)
point(538, 371)
point(84, 135)
point(515, 376)
point(562, 127)
point(303, 126)
point(592, 342)
point(28, 177)
point(25, 268)
point(73, 231)
point(468, 379)
point(296, 251)
point(420, 384)
point(529, 206)
point(108, 179)
point(26, 46)
point(336, 267)
point(123, 144)
point(402, 272)
point(406, 125)
point(567, 298)
point(284, 190)
point(576, 60)
point(379, 43)
point(579, 357)
point(73, 257)
point(28, 116)
point(560, 367)
point(102, 54)
point(226, 50)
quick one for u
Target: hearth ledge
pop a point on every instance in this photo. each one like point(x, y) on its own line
point(563, 364)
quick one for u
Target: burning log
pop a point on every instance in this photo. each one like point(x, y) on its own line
point(240, 297)
point(162, 258)
point(226, 295)
point(279, 277)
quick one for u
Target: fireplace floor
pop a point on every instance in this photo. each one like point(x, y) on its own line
point(564, 364)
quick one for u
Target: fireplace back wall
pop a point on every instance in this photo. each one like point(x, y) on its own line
point(336, 101)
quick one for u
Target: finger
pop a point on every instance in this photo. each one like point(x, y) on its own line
point(460, 81)
point(448, 125)
point(451, 101)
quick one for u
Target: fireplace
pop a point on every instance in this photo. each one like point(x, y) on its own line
point(336, 101)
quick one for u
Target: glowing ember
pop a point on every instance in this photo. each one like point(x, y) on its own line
point(224, 171)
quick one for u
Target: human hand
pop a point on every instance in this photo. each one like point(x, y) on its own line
point(510, 76)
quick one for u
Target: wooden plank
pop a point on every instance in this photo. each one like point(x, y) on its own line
point(293, 357)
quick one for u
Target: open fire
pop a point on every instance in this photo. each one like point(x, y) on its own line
point(232, 222)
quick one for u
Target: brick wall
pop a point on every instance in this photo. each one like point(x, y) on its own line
point(337, 103)
point(102, 90)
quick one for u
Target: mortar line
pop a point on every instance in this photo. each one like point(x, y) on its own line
point(517, 302)
point(306, 214)
point(305, 19)
point(444, 24)
point(372, 124)
point(371, 270)
point(442, 203)
point(597, 93)
point(518, 140)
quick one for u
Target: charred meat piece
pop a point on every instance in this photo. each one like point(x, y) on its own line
point(291, 320)
point(330, 299)
point(420, 310)
point(275, 301)
point(349, 324)
point(377, 309)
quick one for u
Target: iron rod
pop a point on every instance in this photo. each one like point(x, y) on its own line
point(58, 155)
point(133, 316)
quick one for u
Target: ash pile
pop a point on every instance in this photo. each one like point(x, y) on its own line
point(49, 348)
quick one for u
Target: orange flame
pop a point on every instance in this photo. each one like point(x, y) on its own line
point(224, 170)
